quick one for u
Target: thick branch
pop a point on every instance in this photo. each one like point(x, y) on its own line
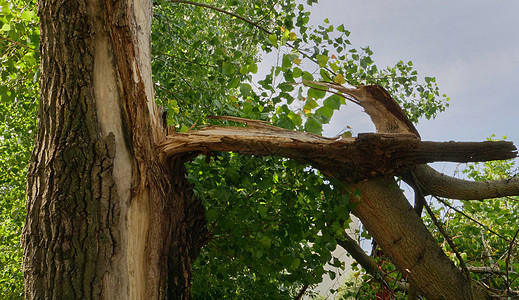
point(441, 185)
point(369, 155)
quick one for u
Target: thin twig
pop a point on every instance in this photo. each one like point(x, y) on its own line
point(487, 250)
point(470, 218)
point(183, 59)
point(331, 91)
point(225, 12)
point(19, 44)
point(507, 261)
point(261, 28)
point(302, 291)
point(167, 91)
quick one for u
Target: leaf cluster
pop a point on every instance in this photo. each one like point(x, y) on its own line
point(492, 243)
point(273, 224)
point(19, 85)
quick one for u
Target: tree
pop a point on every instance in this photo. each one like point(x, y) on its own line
point(103, 176)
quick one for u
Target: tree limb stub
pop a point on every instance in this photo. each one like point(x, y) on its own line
point(441, 185)
point(384, 112)
point(370, 155)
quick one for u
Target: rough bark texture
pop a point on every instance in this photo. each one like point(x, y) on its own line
point(403, 237)
point(104, 211)
point(189, 234)
point(72, 197)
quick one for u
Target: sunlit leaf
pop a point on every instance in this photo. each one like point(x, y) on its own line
point(339, 79)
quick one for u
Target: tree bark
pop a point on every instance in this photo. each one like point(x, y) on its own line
point(104, 210)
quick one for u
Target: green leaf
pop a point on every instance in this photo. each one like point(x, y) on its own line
point(322, 60)
point(296, 119)
point(287, 62)
point(313, 126)
point(325, 111)
point(228, 68)
point(339, 79)
point(285, 122)
point(253, 68)
point(310, 104)
point(347, 134)
point(263, 210)
point(286, 87)
point(316, 93)
point(307, 76)
point(27, 15)
point(265, 241)
point(211, 214)
point(333, 102)
point(234, 83)
point(334, 66)
point(295, 263)
point(296, 72)
point(5, 27)
point(332, 275)
point(273, 39)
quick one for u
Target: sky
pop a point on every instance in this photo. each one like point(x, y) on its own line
point(471, 47)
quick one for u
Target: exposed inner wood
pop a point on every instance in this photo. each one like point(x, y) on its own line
point(384, 112)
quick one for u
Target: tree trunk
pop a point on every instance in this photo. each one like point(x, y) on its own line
point(104, 211)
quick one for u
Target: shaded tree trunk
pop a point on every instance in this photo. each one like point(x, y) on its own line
point(103, 210)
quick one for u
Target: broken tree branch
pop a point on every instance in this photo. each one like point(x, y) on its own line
point(384, 112)
point(370, 155)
